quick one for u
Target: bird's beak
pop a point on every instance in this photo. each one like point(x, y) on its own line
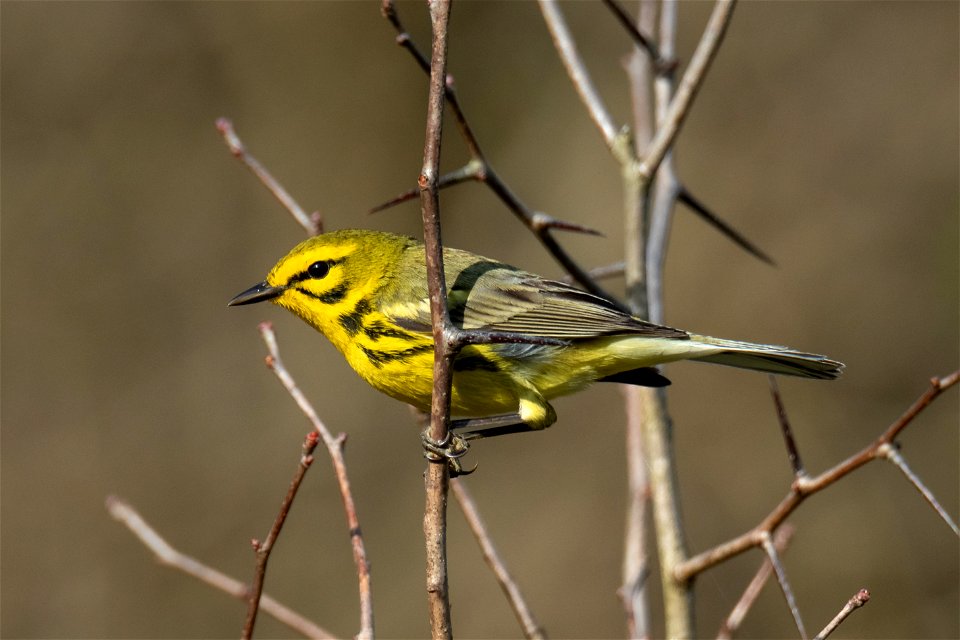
point(257, 293)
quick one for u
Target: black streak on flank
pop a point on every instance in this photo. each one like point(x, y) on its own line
point(352, 322)
point(380, 358)
point(475, 362)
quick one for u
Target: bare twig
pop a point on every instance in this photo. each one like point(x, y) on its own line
point(806, 486)
point(774, 557)
point(733, 621)
point(437, 477)
point(859, 599)
point(312, 223)
point(892, 453)
point(170, 557)
point(531, 628)
point(335, 448)
point(689, 85)
point(577, 71)
point(263, 549)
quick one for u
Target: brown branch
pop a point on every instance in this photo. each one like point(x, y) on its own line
point(437, 478)
point(335, 447)
point(313, 223)
point(859, 599)
point(531, 628)
point(263, 549)
point(807, 486)
point(166, 555)
point(733, 621)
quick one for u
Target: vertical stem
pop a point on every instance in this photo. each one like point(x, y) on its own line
point(436, 478)
point(645, 247)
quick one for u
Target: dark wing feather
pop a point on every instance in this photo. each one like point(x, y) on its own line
point(484, 294)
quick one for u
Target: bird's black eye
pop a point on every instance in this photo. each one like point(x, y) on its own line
point(319, 269)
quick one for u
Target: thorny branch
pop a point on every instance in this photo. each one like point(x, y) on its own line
point(480, 169)
point(805, 486)
point(170, 557)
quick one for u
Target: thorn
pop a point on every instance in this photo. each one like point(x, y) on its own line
point(541, 221)
point(741, 241)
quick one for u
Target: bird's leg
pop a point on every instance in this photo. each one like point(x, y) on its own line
point(491, 426)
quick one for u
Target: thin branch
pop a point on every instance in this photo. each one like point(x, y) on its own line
point(774, 557)
point(859, 599)
point(312, 223)
point(470, 171)
point(437, 477)
point(666, 188)
point(636, 570)
point(636, 553)
point(166, 555)
point(689, 85)
point(531, 628)
point(263, 549)
point(579, 76)
point(335, 447)
point(892, 453)
point(649, 406)
point(781, 541)
point(807, 486)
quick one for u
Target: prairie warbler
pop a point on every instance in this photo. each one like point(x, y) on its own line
point(366, 291)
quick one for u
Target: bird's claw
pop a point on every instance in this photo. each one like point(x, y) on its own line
point(449, 451)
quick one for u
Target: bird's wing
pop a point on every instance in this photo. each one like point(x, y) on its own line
point(489, 295)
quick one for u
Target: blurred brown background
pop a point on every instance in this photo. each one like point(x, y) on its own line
point(826, 132)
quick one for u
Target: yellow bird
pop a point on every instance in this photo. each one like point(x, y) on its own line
point(366, 291)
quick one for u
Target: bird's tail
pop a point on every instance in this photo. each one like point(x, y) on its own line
point(769, 358)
